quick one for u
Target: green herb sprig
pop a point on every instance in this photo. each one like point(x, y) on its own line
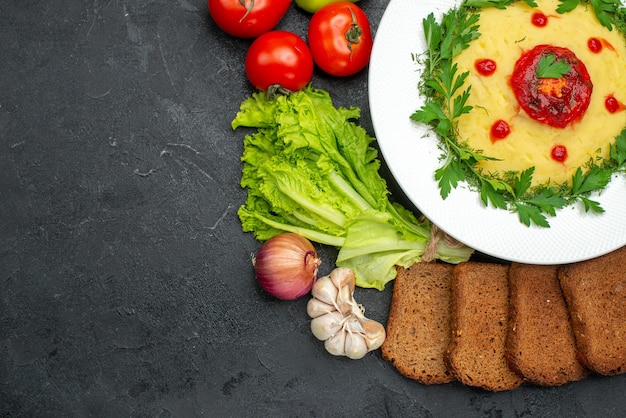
point(608, 12)
point(446, 100)
point(549, 67)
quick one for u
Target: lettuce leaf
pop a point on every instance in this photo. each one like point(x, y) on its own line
point(310, 169)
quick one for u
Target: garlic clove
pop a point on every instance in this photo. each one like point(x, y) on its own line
point(374, 333)
point(316, 307)
point(345, 300)
point(358, 310)
point(327, 325)
point(335, 345)
point(324, 289)
point(355, 346)
point(343, 276)
point(354, 325)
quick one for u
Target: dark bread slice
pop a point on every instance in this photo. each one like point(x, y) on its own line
point(480, 306)
point(595, 291)
point(418, 328)
point(540, 343)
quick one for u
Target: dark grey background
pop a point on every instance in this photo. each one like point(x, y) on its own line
point(126, 287)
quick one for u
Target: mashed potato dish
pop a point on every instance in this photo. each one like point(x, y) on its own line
point(547, 90)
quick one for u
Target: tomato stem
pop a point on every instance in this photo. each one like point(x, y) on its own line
point(275, 90)
point(248, 9)
point(353, 35)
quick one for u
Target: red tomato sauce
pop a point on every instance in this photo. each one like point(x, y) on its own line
point(596, 45)
point(559, 153)
point(485, 66)
point(499, 130)
point(613, 105)
point(539, 19)
point(555, 102)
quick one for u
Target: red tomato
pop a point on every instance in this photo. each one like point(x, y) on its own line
point(340, 38)
point(279, 58)
point(247, 18)
point(554, 101)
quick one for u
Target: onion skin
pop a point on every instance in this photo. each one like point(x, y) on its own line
point(286, 266)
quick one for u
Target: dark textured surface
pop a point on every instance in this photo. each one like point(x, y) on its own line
point(126, 283)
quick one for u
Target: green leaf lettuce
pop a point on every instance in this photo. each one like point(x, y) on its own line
point(310, 169)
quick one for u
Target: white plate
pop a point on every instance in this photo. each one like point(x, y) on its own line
point(574, 235)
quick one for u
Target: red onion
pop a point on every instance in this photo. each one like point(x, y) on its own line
point(286, 266)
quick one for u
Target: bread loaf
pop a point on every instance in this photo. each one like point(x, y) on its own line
point(595, 291)
point(540, 344)
point(418, 328)
point(480, 305)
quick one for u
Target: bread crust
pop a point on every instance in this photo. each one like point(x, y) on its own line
point(480, 304)
point(418, 328)
point(595, 292)
point(540, 343)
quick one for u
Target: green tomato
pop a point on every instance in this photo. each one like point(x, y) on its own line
point(313, 6)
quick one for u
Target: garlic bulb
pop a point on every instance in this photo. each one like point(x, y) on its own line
point(338, 320)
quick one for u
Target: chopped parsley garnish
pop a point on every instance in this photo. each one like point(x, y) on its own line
point(608, 12)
